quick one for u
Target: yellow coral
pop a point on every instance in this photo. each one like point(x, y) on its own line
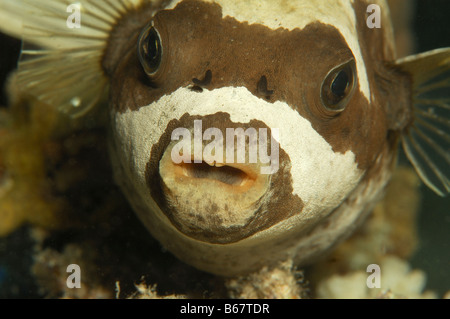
point(24, 190)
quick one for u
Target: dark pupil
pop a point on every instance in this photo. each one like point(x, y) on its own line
point(153, 50)
point(340, 84)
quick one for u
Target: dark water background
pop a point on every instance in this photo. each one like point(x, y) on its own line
point(432, 29)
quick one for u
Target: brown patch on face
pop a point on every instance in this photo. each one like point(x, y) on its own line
point(276, 205)
point(390, 87)
point(195, 38)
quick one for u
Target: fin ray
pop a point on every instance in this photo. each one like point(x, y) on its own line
point(433, 117)
point(427, 140)
point(59, 65)
point(433, 129)
point(430, 174)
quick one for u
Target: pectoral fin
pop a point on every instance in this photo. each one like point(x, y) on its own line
point(427, 140)
point(61, 64)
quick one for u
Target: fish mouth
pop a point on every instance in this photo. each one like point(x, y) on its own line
point(232, 176)
point(210, 200)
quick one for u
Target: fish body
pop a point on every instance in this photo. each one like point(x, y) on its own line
point(244, 133)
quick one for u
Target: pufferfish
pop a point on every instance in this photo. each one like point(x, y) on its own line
point(324, 85)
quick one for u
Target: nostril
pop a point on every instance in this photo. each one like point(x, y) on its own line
point(200, 84)
point(262, 87)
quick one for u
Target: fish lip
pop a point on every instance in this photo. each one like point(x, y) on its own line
point(212, 202)
point(240, 177)
point(187, 170)
point(248, 169)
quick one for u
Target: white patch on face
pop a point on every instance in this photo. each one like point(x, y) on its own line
point(348, 216)
point(298, 14)
point(321, 177)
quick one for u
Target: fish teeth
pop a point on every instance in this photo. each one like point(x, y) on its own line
point(214, 163)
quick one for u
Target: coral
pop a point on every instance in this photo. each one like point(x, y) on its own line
point(281, 282)
point(51, 168)
point(388, 239)
point(50, 270)
point(397, 281)
point(144, 291)
point(24, 190)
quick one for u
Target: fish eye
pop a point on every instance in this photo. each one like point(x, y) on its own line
point(338, 86)
point(150, 50)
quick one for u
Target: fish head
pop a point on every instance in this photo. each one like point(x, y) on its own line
point(236, 123)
